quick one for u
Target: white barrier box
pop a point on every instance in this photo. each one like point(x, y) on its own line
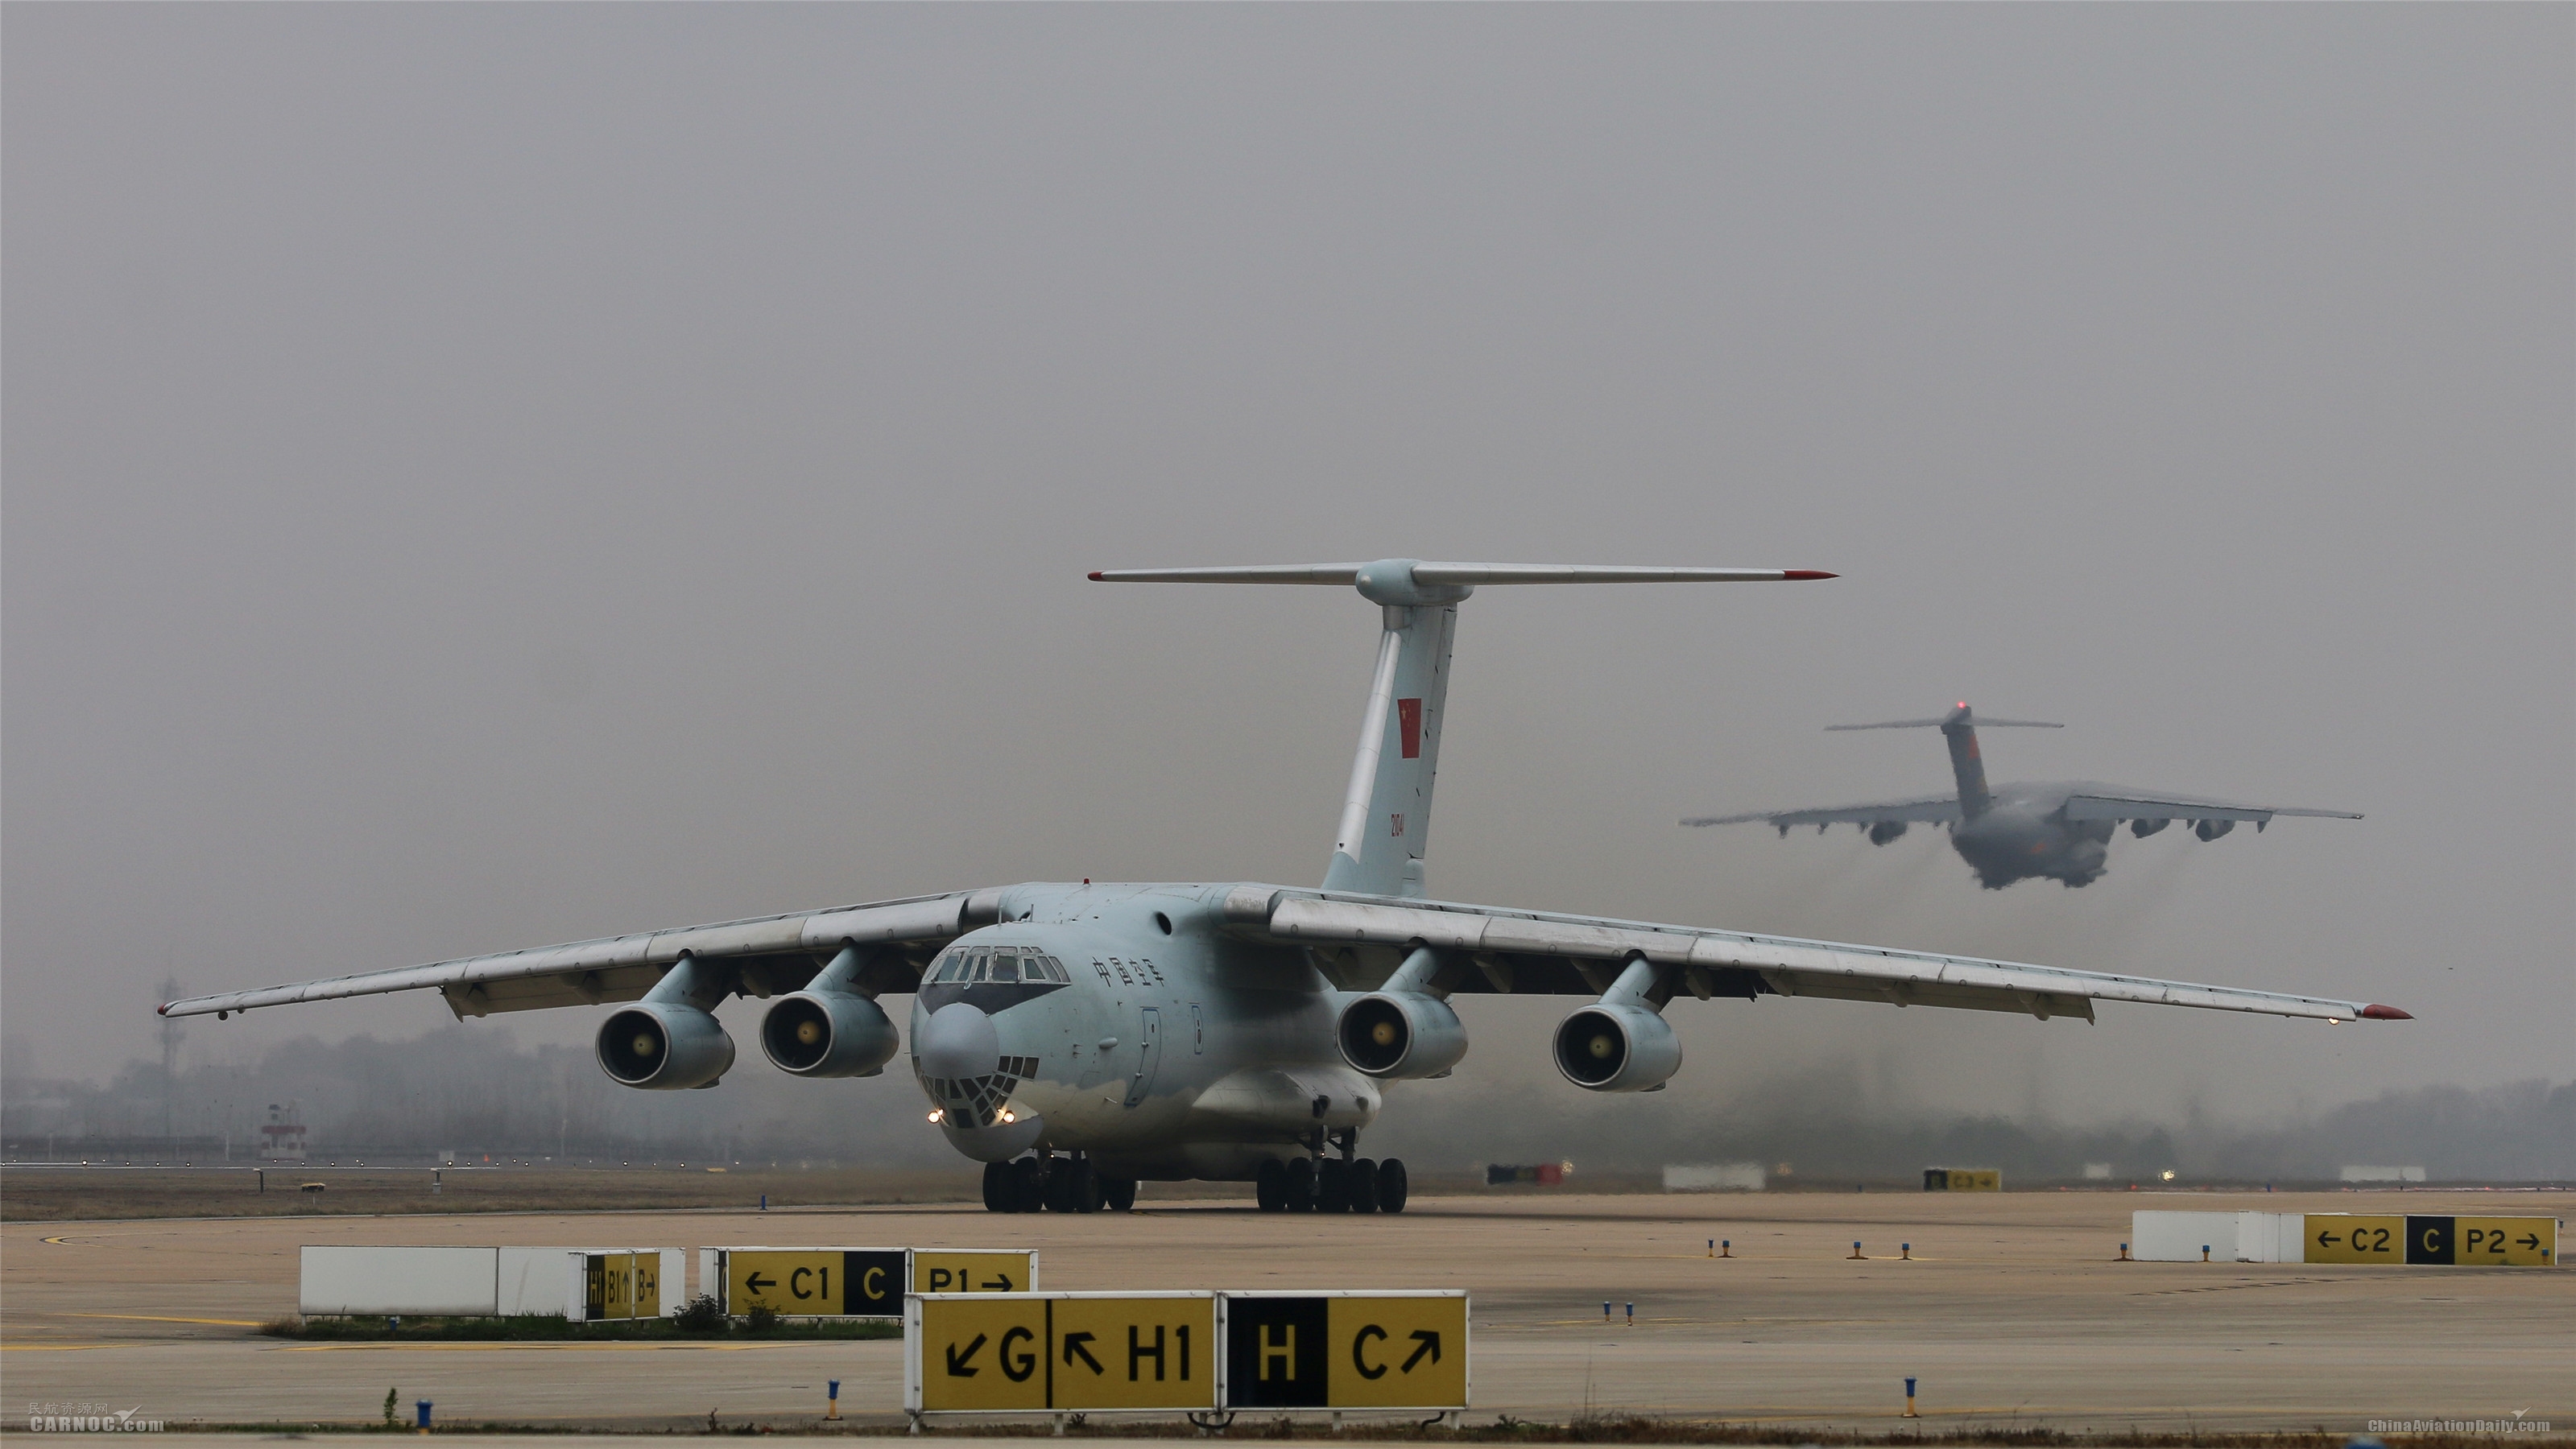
point(1714, 1177)
point(2250, 1237)
point(2179, 1237)
point(482, 1282)
point(2271, 1237)
point(430, 1281)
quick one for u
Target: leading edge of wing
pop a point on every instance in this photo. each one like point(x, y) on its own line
point(1928, 810)
point(2114, 804)
point(907, 919)
point(1783, 962)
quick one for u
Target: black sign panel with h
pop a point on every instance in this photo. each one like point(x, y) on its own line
point(1276, 1353)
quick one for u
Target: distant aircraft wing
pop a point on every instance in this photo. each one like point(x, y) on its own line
point(1530, 953)
point(2140, 805)
point(1929, 810)
point(766, 955)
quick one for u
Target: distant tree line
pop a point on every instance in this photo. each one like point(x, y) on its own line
point(475, 1092)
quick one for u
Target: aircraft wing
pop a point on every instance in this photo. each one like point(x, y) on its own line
point(1531, 953)
point(2112, 803)
point(767, 955)
point(1928, 810)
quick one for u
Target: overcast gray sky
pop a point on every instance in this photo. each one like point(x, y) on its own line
point(481, 476)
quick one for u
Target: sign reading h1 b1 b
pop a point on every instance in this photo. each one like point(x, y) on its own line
point(1016, 1352)
point(1346, 1350)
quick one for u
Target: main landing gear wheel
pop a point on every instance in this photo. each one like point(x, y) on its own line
point(1391, 1186)
point(1301, 1185)
point(1361, 1186)
point(1117, 1194)
point(1028, 1185)
point(1332, 1186)
point(1082, 1187)
point(998, 1194)
point(1270, 1185)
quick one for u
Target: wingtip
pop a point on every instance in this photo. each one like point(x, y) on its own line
point(1095, 575)
point(2386, 1013)
point(1807, 574)
point(162, 1010)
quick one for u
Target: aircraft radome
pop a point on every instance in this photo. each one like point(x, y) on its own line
point(1078, 1038)
point(2061, 830)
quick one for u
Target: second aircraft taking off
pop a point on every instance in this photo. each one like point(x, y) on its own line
point(2060, 830)
point(1076, 1038)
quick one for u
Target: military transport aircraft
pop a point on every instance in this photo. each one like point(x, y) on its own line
point(1077, 1038)
point(2013, 832)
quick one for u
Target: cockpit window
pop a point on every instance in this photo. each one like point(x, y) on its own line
point(1005, 968)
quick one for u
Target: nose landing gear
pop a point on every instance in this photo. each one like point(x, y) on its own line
point(1054, 1184)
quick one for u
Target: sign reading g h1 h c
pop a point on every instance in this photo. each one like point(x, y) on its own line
point(1345, 1350)
point(1023, 1352)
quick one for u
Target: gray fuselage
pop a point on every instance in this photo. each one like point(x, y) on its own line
point(1170, 1050)
point(2024, 833)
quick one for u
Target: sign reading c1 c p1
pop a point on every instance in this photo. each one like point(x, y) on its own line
point(974, 1270)
point(814, 1282)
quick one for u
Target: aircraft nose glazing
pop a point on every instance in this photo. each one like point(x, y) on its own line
point(957, 1040)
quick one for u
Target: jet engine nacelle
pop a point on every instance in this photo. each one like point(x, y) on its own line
point(2212, 829)
point(1616, 1047)
point(1885, 831)
point(827, 1034)
point(1394, 1036)
point(2144, 828)
point(664, 1046)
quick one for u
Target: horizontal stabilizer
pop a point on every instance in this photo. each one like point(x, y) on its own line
point(1451, 575)
point(1933, 724)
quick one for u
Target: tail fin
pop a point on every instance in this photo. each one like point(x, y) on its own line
point(1967, 761)
point(1386, 811)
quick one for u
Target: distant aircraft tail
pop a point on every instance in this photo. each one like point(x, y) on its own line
point(1386, 811)
point(1967, 761)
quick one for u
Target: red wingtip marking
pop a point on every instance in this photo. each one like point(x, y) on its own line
point(2386, 1013)
point(1807, 574)
point(1095, 576)
point(162, 1010)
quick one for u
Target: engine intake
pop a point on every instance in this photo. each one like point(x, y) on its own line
point(664, 1047)
point(827, 1034)
point(1616, 1047)
point(1394, 1036)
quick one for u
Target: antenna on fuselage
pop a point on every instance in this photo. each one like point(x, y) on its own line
point(1386, 810)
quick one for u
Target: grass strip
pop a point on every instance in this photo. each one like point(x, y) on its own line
point(552, 1328)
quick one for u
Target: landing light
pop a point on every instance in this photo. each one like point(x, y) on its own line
point(935, 1114)
point(1010, 1117)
